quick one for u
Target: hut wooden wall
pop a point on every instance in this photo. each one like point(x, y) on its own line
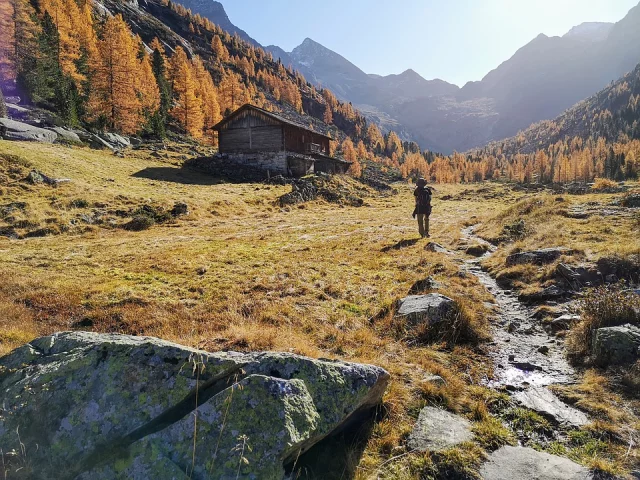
point(251, 132)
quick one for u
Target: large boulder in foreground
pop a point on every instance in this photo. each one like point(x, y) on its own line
point(517, 463)
point(12, 130)
point(613, 345)
point(101, 406)
point(538, 257)
point(431, 309)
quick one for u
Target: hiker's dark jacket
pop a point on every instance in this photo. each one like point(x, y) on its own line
point(423, 201)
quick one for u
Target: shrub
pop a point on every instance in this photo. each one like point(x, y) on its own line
point(516, 230)
point(604, 184)
point(461, 326)
point(139, 223)
point(606, 306)
point(78, 203)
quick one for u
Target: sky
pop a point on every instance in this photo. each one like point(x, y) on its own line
point(454, 40)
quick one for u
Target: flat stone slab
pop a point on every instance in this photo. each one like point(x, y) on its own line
point(12, 130)
point(517, 463)
point(542, 401)
point(437, 429)
point(538, 257)
point(431, 308)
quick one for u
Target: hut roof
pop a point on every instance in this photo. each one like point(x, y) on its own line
point(289, 118)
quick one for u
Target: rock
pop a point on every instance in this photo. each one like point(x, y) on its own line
point(437, 380)
point(424, 285)
point(99, 406)
point(525, 366)
point(632, 200)
point(543, 349)
point(542, 401)
point(517, 463)
point(579, 276)
point(550, 293)
point(435, 247)
point(538, 257)
point(437, 429)
point(431, 308)
point(564, 322)
point(477, 250)
point(35, 177)
point(118, 141)
point(65, 134)
point(12, 130)
point(614, 345)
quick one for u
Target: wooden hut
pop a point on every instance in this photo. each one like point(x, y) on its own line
point(253, 136)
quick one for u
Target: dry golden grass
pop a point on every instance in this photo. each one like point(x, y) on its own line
point(241, 273)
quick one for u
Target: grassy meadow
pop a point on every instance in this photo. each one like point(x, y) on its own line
point(241, 272)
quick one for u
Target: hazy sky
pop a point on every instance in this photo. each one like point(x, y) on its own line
point(455, 40)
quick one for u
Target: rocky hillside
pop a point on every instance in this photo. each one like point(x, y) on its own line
point(613, 115)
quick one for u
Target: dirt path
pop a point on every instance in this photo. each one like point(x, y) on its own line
point(520, 354)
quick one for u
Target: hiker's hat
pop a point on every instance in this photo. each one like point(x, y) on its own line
point(421, 182)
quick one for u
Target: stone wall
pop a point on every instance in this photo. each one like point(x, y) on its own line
point(273, 162)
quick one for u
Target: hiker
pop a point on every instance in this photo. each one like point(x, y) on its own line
point(423, 206)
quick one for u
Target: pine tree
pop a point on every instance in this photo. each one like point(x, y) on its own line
point(188, 107)
point(159, 119)
point(114, 98)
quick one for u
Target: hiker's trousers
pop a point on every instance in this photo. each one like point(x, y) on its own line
point(423, 224)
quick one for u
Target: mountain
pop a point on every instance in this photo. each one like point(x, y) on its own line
point(215, 12)
point(590, 31)
point(543, 78)
point(612, 114)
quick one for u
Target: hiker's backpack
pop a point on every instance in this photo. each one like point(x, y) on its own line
point(423, 198)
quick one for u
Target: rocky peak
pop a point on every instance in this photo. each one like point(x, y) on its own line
point(592, 31)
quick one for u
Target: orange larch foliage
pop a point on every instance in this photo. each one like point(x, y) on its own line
point(115, 81)
point(147, 87)
point(206, 91)
point(188, 106)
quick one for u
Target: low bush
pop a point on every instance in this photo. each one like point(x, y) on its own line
point(139, 223)
point(604, 184)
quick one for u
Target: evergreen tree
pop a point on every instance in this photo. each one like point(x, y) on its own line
point(159, 119)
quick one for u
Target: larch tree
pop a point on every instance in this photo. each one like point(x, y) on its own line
point(148, 88)
point(219, 50)
point(114, 98)
point(7, 43)
point(187, 110)
point(327, 117)
point(206, 90)
point(18, 38)
point(3, 106)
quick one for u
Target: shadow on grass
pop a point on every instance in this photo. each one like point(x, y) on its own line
point(401, 244)
point(184, 176)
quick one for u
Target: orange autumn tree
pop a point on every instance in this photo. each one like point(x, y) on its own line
point(116, 78)
point(206, 91)
point(187, 110)
point(148, 90)
point(18, 34)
